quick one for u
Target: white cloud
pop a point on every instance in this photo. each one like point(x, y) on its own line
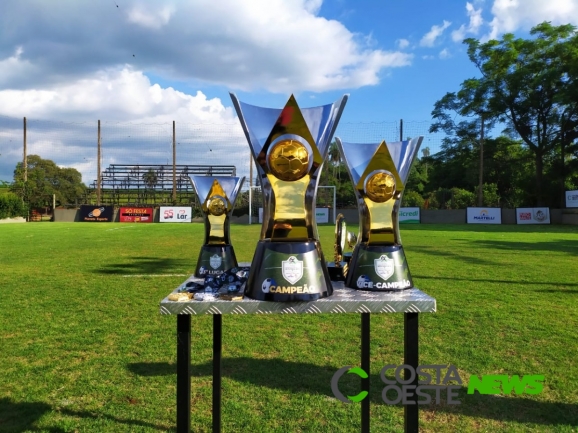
point(430, 37)
point(473, 26)
point(279, 46)
point(445, 54)
point(402, 44)
point(511, 15)
point(120, 94)
point(153, 19)
point(428, 57)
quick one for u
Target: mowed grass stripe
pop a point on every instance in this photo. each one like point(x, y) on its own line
point(85, 348)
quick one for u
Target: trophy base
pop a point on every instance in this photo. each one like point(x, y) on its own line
point(214, 260)
point(337, 273)
point(378, 268)
point(288, 272)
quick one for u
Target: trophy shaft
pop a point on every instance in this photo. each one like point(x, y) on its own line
point(378, 223)
point(217, 231)
point(288, 211)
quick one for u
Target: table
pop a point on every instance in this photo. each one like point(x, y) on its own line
point(410, 302)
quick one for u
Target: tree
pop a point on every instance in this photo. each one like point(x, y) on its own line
point(531, 86)
point(45, 179)
point(150, 178)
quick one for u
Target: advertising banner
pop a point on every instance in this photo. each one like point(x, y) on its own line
point(321, 214)
point(175, 214)
point(136, 215)
point(533, 215)
point(409, 215)
point(96, 214)
point(484, 215)
point(572, 198)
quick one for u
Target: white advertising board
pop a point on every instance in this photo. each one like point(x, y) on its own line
point(484, 215)
point(409, 215)
point(533, 215)
point(572, 198)
point(175, 214)
point(321, 214)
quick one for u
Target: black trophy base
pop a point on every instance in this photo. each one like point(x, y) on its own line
point(214, 260)
point(378, 268)
point(337, 272)
point(288, 272)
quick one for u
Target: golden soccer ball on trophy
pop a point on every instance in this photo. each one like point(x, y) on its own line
point(217, 206)
point(380, 187)
point(289, 160)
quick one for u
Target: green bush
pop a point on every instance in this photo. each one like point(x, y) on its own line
point(462, 198)
point(412, 199)
point(12, 206)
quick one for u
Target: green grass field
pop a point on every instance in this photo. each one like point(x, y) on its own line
point(84, 348)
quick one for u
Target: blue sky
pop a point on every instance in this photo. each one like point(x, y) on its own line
point(151, 62)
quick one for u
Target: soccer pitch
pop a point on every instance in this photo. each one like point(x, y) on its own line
point(84, 348)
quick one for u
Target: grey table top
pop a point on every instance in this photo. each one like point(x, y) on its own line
point(343, 300)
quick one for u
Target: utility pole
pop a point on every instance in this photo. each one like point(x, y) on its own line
point(481, 182)
point(174, 165)
point(98, 157)
point(25, 161)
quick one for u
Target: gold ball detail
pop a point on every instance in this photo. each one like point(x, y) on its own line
point(380, 187)
point(289, 160)
point(217, 206)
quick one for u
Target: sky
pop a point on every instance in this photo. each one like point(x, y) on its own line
point(140, 64)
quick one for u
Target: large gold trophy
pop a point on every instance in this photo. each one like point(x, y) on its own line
point(289, 146)
point(217, 195)
point(379, 172)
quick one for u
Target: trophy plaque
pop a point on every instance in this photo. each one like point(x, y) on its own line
point(338, 267)
point(217, 195)
point(379, 172)
point(289, 146)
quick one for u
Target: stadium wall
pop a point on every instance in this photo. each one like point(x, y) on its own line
point(445, 216)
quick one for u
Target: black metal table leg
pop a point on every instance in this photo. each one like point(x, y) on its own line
point(183, 373)
point(217, 356)
point(411, 357)
point(365, 354)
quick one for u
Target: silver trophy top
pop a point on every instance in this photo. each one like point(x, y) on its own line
point(357, 156)
point(258, 122)
point(231, 186)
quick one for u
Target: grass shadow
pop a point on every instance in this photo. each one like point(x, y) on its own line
point(434, 251)
point(489, 280)
point(300, 377)
point(557, 246)
point(145, 265)
point(17, 417)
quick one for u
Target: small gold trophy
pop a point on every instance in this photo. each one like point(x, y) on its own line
point(289, 146)
point(217, 195)
point(379, 172)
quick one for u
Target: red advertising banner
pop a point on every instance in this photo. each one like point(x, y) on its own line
point(136, 215)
